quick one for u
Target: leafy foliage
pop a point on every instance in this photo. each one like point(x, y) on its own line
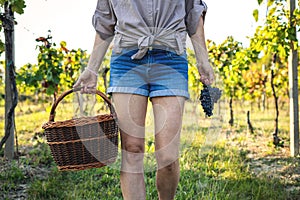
point(17, 5)
point(231, 60)
point(275, 38)
point(57, 68)
point(276, 34)
point(245, 71)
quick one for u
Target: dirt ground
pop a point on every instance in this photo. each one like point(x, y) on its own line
point(266, 161)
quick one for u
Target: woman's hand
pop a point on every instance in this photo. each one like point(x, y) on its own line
point(87, 80)
point(206, 72)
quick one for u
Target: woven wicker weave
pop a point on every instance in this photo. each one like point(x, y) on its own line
point(85, 142)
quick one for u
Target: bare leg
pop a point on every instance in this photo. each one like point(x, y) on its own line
point(168, 119)
point(131, 112)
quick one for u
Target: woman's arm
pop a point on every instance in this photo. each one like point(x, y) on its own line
point(198, 40)
point(88, 78)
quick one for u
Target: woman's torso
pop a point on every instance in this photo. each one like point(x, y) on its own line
point(146, 23)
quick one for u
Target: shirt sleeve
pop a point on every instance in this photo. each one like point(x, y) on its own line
point(104, 19)
point(194, 10)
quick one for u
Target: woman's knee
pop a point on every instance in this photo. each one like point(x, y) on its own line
point(132, 158)
point(133, 152)
point(167, 160)
point(169, 166)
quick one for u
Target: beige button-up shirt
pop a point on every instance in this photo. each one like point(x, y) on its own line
point(144, 24)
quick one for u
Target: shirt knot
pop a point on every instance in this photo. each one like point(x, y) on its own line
point(143, 44)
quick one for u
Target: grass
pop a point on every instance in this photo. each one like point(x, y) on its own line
point(224, 175)
point(215, 162)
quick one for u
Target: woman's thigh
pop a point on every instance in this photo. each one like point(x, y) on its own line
point(131, 112)
point(168, 112)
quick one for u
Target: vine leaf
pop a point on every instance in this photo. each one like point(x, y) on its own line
point(255, 14)
point(18, 6)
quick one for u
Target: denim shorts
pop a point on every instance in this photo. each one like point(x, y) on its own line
point(158, 73)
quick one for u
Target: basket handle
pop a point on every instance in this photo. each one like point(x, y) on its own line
point(55, 104)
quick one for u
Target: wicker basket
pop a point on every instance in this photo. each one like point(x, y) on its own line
point(83, 143)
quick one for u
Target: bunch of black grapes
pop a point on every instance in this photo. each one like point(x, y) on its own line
point(209, 96)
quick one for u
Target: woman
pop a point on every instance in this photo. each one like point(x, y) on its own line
point(148, 61)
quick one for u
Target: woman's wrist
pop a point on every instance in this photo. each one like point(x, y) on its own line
point(92, 71)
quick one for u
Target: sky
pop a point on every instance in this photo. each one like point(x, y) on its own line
point(71, 21)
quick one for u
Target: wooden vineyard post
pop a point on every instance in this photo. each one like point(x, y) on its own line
point(293, 88)
point(10, 86)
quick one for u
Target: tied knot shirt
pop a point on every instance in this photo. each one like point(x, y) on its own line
point(144, 24)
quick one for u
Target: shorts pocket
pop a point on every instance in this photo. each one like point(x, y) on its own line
point(175, 56)
point(124, 57)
